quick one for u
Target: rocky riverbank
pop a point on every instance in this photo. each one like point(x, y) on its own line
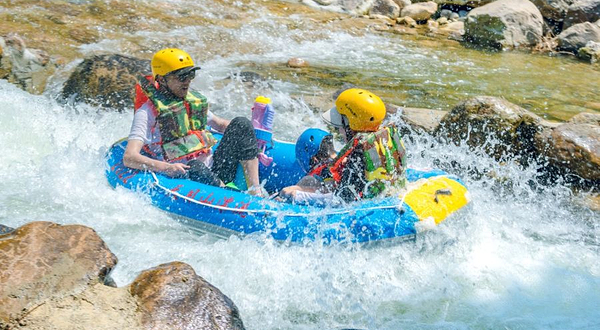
point(58, 277)
point(36, 42)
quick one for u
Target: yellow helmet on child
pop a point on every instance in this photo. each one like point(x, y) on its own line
point(171, 59)
point(364, 110)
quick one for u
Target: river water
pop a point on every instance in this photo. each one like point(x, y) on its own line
point(523, 256)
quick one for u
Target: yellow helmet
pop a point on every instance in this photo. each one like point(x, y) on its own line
point(365, 111)
point(169, 60)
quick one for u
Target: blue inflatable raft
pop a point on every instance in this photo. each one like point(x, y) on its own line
point(431, 196)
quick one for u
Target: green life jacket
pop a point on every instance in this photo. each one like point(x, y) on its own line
point(181, 123)
point(385, 160)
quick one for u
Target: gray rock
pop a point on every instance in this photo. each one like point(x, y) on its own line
point(577, 36)
point(498, 127)
point(582, 11)
point(386, 8)
point(25, 67)
point(420, 11)
point(446, 13)
point(553, 9)
point(505, 24)
point(172, 296)
point(421, 120)
point(574, 148)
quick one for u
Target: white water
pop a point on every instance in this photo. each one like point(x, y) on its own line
point(522, 257)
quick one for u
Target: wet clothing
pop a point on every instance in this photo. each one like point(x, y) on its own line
point(369, 163)
point(181, 121)
point(238, 144)
point(145, 128)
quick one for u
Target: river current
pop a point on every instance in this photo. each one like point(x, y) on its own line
point(522, 256)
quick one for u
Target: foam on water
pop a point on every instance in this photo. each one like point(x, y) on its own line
point(522, 256)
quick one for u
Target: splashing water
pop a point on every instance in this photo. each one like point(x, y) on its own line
point(522, 256)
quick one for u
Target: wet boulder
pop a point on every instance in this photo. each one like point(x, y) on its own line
point(25, 67)
point(505, 24)
point(574, 148)
point(107, 81)
point(172, 296)
point(495, 126)
point(43, 260)
point(420, 120)
point(582, 11)
point(56, 277)
point(420, 11)
point(555, 10)
point(578, 36)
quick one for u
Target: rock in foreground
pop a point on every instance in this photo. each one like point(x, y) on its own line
point(53, 277)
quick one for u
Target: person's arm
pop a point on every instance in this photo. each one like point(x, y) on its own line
point(134, 159)
point(217, 123)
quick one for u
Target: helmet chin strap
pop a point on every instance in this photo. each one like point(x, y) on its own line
point(163, 87)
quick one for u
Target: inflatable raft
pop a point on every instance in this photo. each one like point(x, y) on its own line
point(431, 196)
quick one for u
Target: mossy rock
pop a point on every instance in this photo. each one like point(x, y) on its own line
point(107, 81)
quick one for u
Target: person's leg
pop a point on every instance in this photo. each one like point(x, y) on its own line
point(199, 172)
point(238, 145)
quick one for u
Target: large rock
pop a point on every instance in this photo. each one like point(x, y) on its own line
point(43, 260)
point(25, 67)
point(105, 80)
point(555, 10)
point(582, 11)
point(505, 24)
point(387, 8)
point(53, 277)
point(498, 127)
point(420, 11)
point(172, 296)
point(575, 148)
point(578, 36)
point(420, 120)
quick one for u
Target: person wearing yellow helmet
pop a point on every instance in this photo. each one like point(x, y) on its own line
point(373, 157)
point(170, 132)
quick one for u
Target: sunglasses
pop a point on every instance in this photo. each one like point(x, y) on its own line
point(183, 77)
